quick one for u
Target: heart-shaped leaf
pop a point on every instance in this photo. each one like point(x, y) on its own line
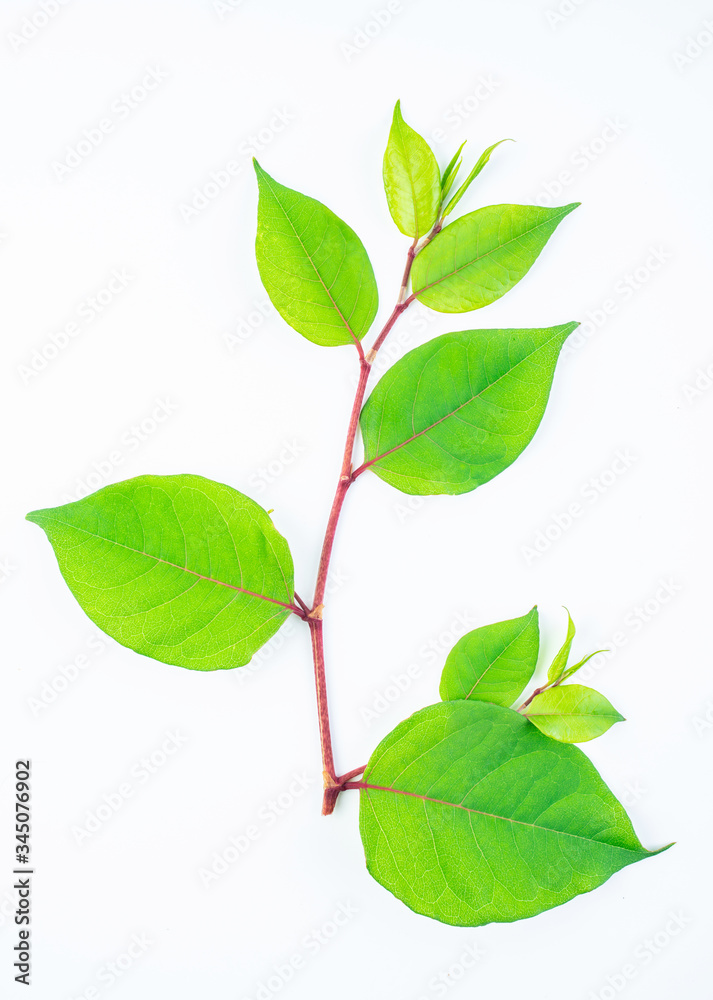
point(455, 412)
point(479, 257)
point(572, 713)
point(313, 266)
point(178, 568)
point(493, 663)
point(412, 180)
point(471, 815)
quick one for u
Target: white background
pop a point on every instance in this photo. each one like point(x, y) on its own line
point(242, 387)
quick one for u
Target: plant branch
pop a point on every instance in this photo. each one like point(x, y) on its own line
point(535, 693)
point(302, 603)
point(344, 778)
point(332, 784)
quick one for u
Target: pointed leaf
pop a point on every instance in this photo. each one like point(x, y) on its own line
point(313, 266)
point(560, 661)
point(577, 666)
point(493, 663)
point(572, 713)
point(471, 177)
point(471, 815)
point(455, 412)
point(179, 568)
point(479, 257)
point(412, 179)
point(451, 171)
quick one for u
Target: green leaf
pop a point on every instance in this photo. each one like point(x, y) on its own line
point(480, 256)
point(471, 177)
point(577, 666)
point(412, 180)
point(451, 171)
point(313, 266)
point(572, 713)
point(455, 412)
point(179, 568)
point(560, 661)
point(470, 815)
point(493, 663)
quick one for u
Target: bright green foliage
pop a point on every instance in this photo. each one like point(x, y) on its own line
point(313, 266)
point(560, 661)
point(572, 713)
point(179, 568)
point(412, 180)
point(479, 257)
point(472, 816)
point(451, 171)
point(471, 177)
point(456, 411)
point(470, 812)
point(493, 663)
point(577, 666)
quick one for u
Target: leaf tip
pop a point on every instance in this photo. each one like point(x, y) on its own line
point(660, 850)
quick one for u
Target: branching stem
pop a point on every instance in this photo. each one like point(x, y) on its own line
point(333, 785)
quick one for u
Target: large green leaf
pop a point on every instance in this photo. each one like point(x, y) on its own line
point(572, 713)
point(455, 412)
point(412, 180)
point(313, 266)
point(179, 568)
point(493, 663)
point(471, 815)
point(482, 255)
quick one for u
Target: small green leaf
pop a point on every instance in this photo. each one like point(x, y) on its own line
point(313, 266)
point(493, 663)
point(412, 180)
point(179, 568)
point(577, 666)
point(470, 815)
point(560, 661)
point(479, 257)
point(451, 172)
point(471, 177)
point(454, 412)
point(572, 713)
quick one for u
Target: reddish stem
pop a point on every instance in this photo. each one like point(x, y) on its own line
point(343, 778)
point(333, 785)
point(302, 603)
point(534, 694)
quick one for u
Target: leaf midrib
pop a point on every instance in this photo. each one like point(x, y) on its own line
point(498, 658)
point(572, 715)
point(363, 785)
point(167, 562)
point(314, 266)
point(407, 163)
point(462, 267)
point(440, 420)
